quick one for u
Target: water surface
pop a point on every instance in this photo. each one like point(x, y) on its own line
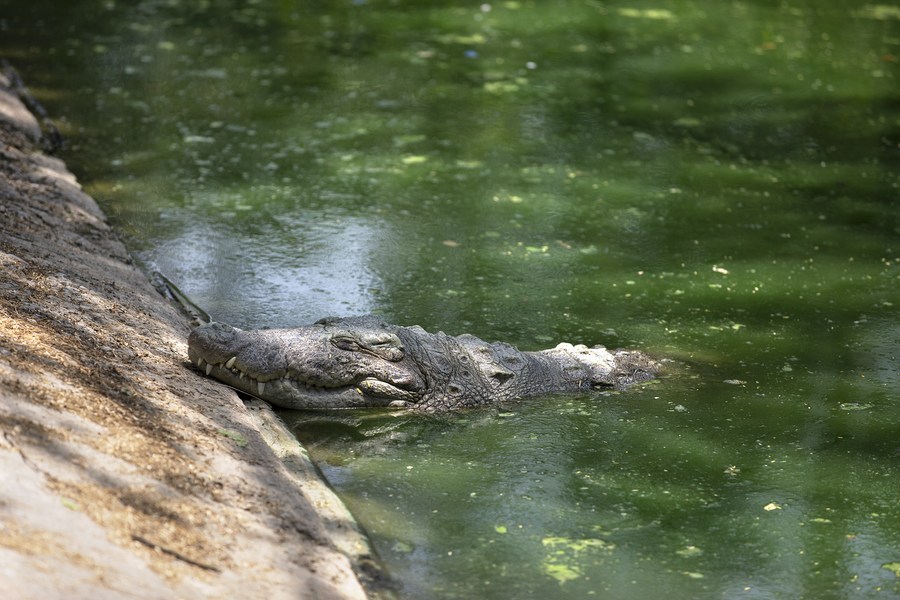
point(712, 183)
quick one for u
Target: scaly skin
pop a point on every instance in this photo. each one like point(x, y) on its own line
point(363, 362)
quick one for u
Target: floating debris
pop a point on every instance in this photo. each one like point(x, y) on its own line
point(564, 553)
point(689, 552)
point(656, 14)
point(855, 406)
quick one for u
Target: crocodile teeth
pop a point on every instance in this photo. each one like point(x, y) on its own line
point(200, 362)
point(230, 362)
point(209, 368)
point(262, 386)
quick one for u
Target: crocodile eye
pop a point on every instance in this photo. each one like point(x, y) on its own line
point(388, 347)
point(345, 343)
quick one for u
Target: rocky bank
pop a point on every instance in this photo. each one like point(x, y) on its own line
point(124, 473)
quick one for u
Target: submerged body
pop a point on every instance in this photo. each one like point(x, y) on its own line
point(363, 362)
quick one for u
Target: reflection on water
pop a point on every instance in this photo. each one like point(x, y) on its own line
point(690, 487)
point(715, 183)
point(321, 272)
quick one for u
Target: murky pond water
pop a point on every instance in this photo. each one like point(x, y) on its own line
point(715, 183)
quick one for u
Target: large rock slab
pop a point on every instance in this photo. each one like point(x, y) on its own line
point(125, 474)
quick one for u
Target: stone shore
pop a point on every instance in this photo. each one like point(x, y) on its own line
point(124, 473)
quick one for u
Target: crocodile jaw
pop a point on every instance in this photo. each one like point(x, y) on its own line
point(287, 392)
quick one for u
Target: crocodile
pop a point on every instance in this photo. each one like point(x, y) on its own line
point(359, 362)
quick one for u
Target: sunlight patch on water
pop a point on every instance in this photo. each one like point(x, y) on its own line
point(324, 274)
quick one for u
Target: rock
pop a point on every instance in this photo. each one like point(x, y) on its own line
point(115, 479)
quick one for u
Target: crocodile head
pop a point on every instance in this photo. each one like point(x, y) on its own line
point(334, 363)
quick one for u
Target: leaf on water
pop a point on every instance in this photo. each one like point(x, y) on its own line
point(562, 573)
point(576, 545)
point(564, 554)
point(198, 139)
point(404, 140)
point(880, 12)
point(501, 87)
point(693, 575)
point(689, 552)
point(500, 529)
point(772, 506)
point(686, 122)
point(854, 406)
point(239, 439)
point(413, 159)
point(894, 567)
point(656, 14)
point(466, 40)
point(469, 164)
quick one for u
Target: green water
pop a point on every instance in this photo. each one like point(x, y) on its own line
point(715, 183)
